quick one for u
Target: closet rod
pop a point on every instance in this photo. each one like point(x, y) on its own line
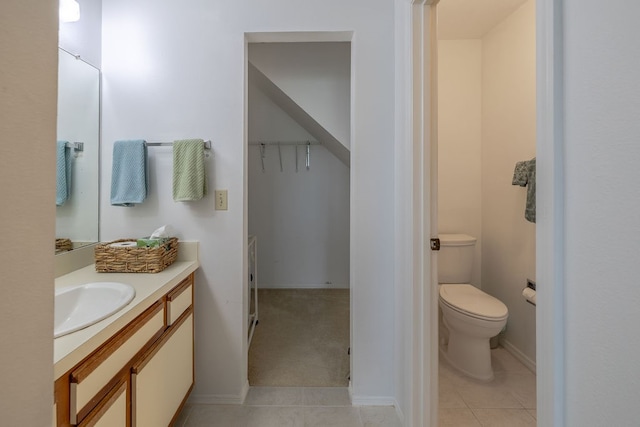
point(284, 143)
point(207, 144)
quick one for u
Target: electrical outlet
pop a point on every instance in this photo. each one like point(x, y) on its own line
point(221, 200)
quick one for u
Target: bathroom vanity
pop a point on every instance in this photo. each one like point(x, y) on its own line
point(134, 368)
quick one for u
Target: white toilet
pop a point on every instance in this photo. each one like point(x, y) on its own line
point(471, 316)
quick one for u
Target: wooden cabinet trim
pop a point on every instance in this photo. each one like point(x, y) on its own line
point(165, 374)
point(91, 363)
point(106, 403)
point(176, 296)
point(112, 390)
point(62, 395)
point(83, 402)
point(180, 287)
point(151, 351)
point(179, 305)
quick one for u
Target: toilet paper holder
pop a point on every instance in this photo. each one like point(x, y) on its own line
point(530, 285)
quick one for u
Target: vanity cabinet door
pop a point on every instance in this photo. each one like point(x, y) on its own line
point(92, 380)
point(111, 411)
point(162, 378)
point(179, 300)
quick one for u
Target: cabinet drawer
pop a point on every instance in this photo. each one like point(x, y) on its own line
point(179, 300)
point(92, 380)
point(162, 379)
point(111, 411)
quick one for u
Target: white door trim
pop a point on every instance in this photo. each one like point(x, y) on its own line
point(290, 37)
point(415, 212)
point(550, 215)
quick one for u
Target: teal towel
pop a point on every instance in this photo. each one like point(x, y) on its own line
point(189, 174)
point(63, 172)
point(129, 180)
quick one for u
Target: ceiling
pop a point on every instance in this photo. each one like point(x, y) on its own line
point(472, 19)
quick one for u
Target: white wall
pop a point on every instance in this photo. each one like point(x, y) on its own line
point(301, 219)
point(602, 207)
point(28, 78)
point(460, 142)
point(508, 136)
point(314, 75)
point(171, 72)
point(84, 37)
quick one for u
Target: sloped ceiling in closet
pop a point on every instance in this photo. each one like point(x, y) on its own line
point(297, 113)
point(310, 82)
point(268, 122)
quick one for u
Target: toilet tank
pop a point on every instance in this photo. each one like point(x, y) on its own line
point(455, 259)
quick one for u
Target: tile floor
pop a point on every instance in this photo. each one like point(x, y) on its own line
point(508, 401)
point(290, 407)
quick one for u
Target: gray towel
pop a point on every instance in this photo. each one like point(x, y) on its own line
point(524, 175)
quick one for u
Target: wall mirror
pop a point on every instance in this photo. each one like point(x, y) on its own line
point(79, 125)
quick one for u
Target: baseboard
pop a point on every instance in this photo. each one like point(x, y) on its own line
point(305, 286)
point(373, 401)
point(526, 361)
point(376, 401)
point(217, 399)
point(245, 390)
point(399, 412)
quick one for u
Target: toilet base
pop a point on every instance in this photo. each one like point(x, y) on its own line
point(469, 355)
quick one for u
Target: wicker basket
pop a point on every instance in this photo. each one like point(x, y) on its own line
point(111, 259)
point(63, 245)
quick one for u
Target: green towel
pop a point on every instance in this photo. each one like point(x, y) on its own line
point(189, 174)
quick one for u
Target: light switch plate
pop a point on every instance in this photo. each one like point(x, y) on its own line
point(221, 200)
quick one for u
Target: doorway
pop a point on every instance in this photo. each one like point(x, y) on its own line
point(298, 178)
point(486, 125)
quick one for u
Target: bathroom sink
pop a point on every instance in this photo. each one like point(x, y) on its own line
point(80, 306)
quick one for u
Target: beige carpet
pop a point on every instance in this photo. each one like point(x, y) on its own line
point(301, 339)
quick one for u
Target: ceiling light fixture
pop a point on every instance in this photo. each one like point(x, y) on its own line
point(69, 11)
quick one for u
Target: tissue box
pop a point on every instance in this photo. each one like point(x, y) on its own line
point(148, 242)
point(134, 259)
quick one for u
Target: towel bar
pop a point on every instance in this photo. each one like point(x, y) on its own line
point(77, 146)
point(207, 144)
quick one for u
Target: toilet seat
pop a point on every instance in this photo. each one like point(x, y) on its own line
point(471, 301)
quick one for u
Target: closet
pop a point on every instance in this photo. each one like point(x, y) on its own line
point(298, 207)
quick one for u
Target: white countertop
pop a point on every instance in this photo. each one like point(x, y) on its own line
point(70, 349)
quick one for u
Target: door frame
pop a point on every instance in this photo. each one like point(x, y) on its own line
point(416, 212)
point(416, 97)
point(291, 37)
point(550, 327)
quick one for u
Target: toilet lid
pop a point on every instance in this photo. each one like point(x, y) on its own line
point(469, 299)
